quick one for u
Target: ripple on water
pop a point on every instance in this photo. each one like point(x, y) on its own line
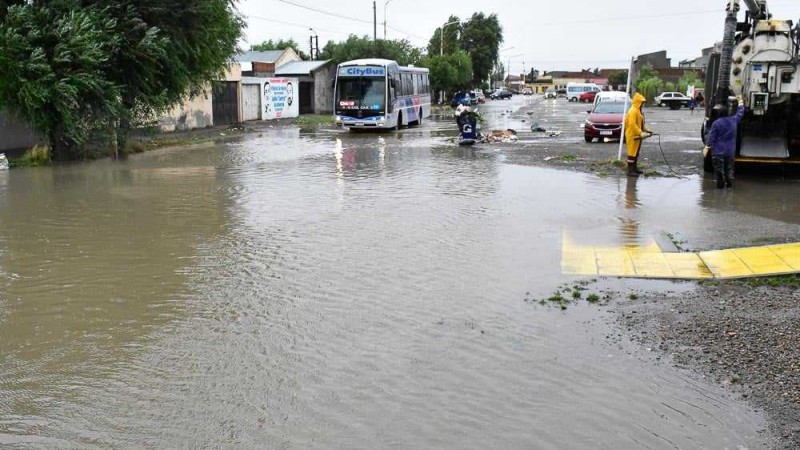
point(315, 296)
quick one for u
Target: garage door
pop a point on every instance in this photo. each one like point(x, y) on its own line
point(251, 101)
point(225, 103)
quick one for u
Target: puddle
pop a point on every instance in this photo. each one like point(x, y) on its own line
point(290, 290)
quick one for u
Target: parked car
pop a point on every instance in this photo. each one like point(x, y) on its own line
point(501, 94)
point(611, 96)
point(460, 98)
point(550, 93)
point(473, 99)
point(527, 91)
point(587, 97)
point(604, 121)
point(674, 100)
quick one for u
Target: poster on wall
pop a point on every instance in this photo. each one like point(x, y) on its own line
point(280, 98)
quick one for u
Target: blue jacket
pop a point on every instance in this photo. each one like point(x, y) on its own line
point(722, 136)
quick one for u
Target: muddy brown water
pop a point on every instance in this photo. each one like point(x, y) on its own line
point(281, 291)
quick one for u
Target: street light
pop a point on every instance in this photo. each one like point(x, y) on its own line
point(385, 20)
point(311, 39)
point(441, 36)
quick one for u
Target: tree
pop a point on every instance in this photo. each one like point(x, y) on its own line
point(52, 63)
point(451, 41)
point(280, 45)
point(481, 37)
point(498, 73)
point(648, 83)
point(618, 78)
point(364, 47)
point(71, 68)
point(690, 78)
point(450, 72)
point(167, 54)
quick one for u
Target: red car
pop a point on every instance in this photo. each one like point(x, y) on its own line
point(604, 121)
point(587, 97)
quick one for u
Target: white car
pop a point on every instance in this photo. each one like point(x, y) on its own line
point(672, 99)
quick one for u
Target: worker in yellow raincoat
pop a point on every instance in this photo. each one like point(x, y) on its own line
point(635, 131)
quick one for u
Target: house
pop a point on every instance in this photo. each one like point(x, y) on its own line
point(215, 104)
point(316, 84)
point(264, 64)
point(698, 63)
point(249, 91)
point(658, 60)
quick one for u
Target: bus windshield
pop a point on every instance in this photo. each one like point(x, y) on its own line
point(362, 93)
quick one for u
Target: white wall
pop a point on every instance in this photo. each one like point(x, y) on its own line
point(280, 96)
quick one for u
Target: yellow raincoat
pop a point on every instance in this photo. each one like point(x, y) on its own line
point(634, 126)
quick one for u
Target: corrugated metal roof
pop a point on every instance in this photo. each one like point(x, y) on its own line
point(261, 57)
point(299, 67)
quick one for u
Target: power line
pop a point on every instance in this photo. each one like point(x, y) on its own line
point(296, 25)
point(650, 16)
point(328, 13)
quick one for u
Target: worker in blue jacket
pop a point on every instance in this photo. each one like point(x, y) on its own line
point(721, 142)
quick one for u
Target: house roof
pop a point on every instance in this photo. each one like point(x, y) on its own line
point(261, 57)
point(300, 67)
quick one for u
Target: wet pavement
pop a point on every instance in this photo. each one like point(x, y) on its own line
point(283, 291)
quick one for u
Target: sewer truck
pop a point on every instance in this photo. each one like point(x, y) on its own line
point(759, 60)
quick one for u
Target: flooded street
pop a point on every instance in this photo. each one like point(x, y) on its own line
point(282, 291)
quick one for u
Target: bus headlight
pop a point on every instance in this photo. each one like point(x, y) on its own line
point(338, 118)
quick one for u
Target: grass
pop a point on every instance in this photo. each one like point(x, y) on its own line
point(593, 298)
point(569, 157)
point(633, 297)
point(313, 120)
point(37, 156)
point(792, 281)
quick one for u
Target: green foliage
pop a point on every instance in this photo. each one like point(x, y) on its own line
point(669, 86)
point(72, 69)
point(280, 45)
point(52, 63)
point(168, 54)
point(481, 37)
point(313, 120)
point(364, 47)
point(37, 156)
point(689, 78)
point(451, 41)
point(618, 78)
point(648, 83)
point(792, 281)
point(450, 72)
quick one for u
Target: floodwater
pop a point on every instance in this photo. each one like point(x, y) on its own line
point(282, 291)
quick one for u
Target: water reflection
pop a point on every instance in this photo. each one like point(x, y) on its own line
point(629, 225)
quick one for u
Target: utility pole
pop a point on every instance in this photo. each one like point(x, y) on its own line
point(374, 21)
point(311, 46)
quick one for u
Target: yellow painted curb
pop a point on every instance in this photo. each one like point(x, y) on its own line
point(649, 261)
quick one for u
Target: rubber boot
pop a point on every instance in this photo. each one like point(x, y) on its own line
point(719, 171)
point(636, 166)
point(632, 170)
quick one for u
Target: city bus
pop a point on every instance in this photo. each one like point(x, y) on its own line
point(380, 94)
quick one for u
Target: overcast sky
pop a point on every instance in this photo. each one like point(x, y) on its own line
point(545, 34)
